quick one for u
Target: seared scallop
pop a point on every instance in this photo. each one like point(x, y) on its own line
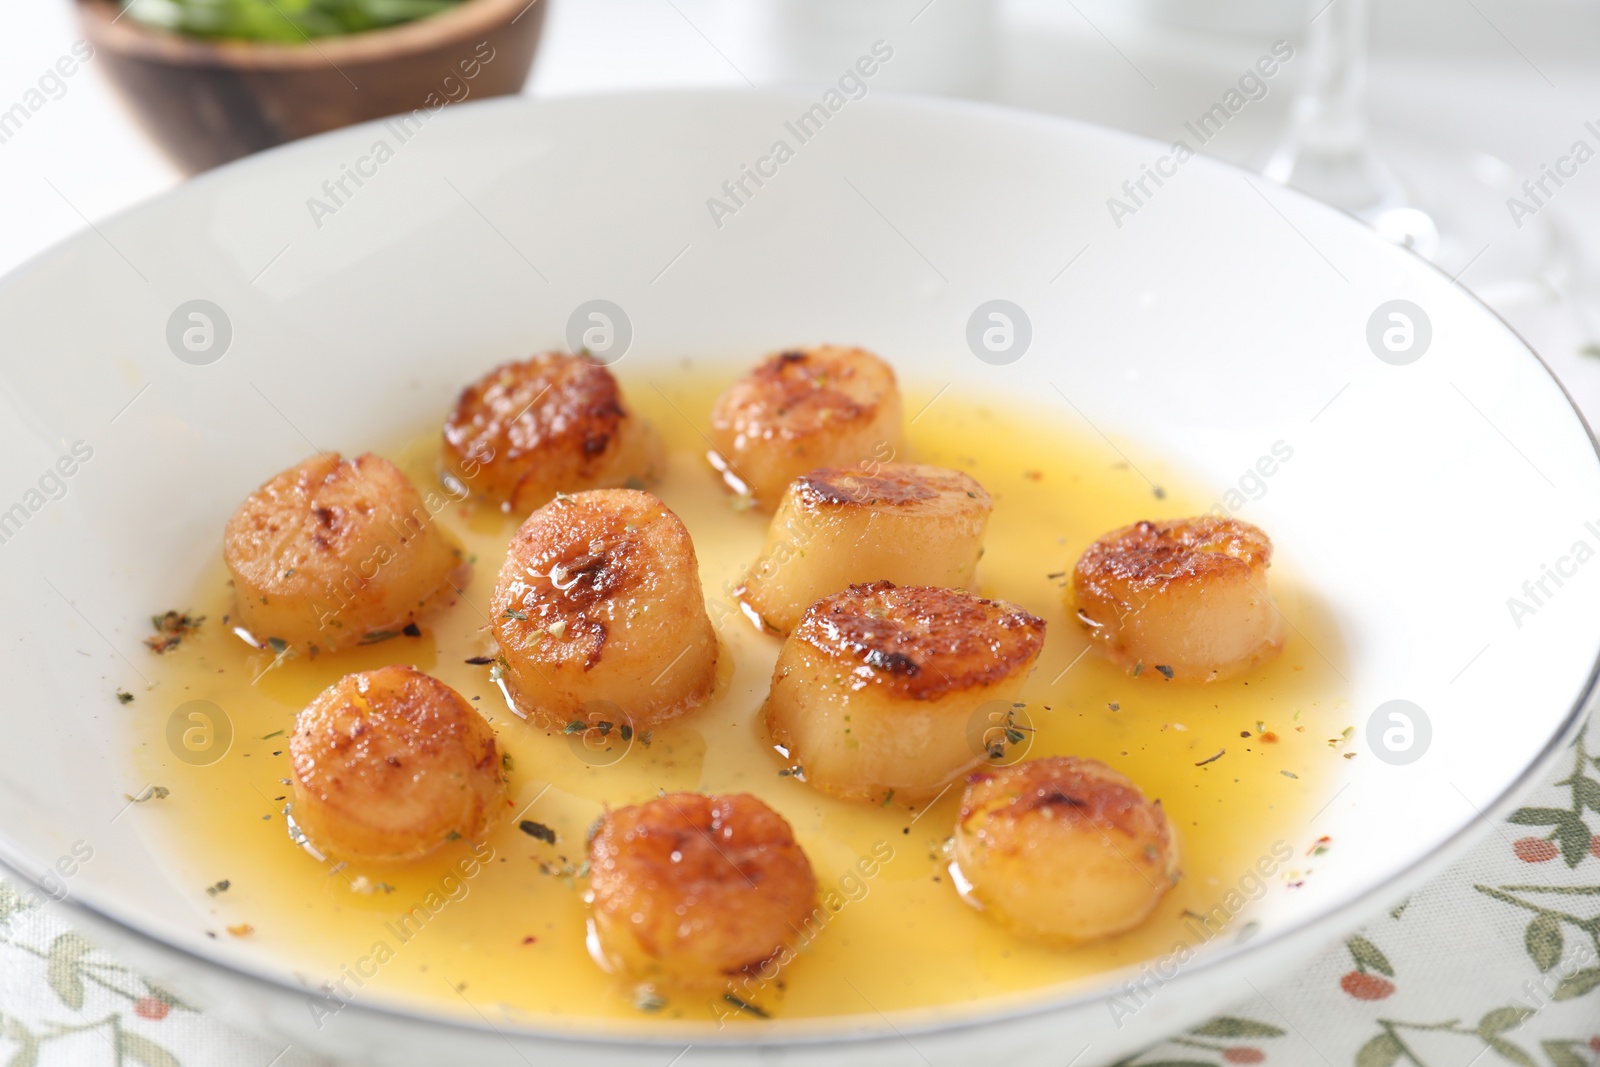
point(800, 410)
point(554, 423)
point(334, 551)
point(1062, 850)
point(878, 688)
point(390, 764)
point(1186, 598)
point(599, 613)
point(907, 523)
point(691, 890)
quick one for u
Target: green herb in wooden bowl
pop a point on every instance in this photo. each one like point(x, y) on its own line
point(288, 21)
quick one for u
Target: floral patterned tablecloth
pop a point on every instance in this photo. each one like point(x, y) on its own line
point(1497, 961)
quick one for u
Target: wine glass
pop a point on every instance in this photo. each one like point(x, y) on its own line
point(1445, 204)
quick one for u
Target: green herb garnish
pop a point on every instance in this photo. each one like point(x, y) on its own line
point(286, 21)
point(170, 630)
point(745, 1006)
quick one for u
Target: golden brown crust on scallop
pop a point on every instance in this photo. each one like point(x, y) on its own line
point(892, 485)
point(1082, 792)
point(571, 565)
point(1186, 596)
point(803, 388)
point(1062, 850)
point(899, 632)
point(710, 883)
point(803, 409)
point(599, 612)
point(1155, 555)
point(390, 763)
point(529, 429)
point(907, 523)
point(331, 549)
point(311, 511)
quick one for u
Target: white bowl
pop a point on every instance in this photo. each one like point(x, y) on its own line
point(1221, 315)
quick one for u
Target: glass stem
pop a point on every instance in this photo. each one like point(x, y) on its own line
point(1327, 152)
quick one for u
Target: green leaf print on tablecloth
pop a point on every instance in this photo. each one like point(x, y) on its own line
point(1544, 940)
point(1203, 1039)
point(1569, 836)
point(1416, 959)
point(70, 963)
point(1556, 907)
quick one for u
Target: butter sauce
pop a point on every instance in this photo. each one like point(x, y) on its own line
point(497, 930)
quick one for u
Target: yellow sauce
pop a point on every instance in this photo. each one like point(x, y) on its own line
point(507, 940)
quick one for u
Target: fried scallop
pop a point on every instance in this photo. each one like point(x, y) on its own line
point(390, 764)
point(599, 614)
point(554, 423)
point(1184, 598)
point(334, 551)
point(906, 523)
point(690, 890)
point(800, 410)
point(879, 687)
point(1062, 850)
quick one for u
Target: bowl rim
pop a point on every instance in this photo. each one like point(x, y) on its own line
point(103, 23)
point(844, 1030)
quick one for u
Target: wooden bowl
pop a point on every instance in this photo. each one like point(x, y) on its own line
point(206, 101)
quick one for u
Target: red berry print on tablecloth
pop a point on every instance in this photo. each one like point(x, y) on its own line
point(1211, 1038)
point(1365, 986)
point(1565, 831)
point(1567, 835)
point(1370, 979)
point(1535, 849)
point(151, 1008)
